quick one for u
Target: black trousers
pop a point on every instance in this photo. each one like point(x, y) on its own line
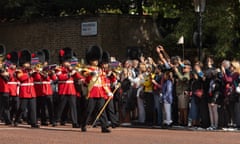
point(4, 107)
point(204, 112)
point(38, 99)
point(81, 109)
point(14, 105)
point(46, 107)
point(30, 104)
point(65, 115)
point(71, 100)
point(111, 113)
point(149, 107)
point(95, 104)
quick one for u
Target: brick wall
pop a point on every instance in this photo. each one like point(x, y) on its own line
point(115, 33)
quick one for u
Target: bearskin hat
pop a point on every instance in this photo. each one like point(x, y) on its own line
point(12, 57)
point(41, 56)
point(47, 54)
point(2, 50)
point(65, 54)
point(93, 53)
point(24, 57)
point(105, 57)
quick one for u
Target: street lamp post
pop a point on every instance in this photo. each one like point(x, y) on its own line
point(199, 7)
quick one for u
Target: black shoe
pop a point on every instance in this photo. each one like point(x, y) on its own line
point(15, 124)
point(75, 126)
point(63, 123)
point(84, 129)
point(34, 126)
point(44, 124)
point(105, 130)
point(8, 123)
point(115, 125)
point(54, 124)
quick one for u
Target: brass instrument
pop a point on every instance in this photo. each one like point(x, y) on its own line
point(44, 71)
point(50, 69)
point(78, 67)
point(37, 67)
point(116, 67)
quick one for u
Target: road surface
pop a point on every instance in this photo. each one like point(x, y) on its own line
point(67, 135)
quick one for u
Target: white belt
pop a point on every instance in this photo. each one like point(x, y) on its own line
point(97, 85)
point(13, 83)
point(44, 82)
point(62, 82)
point(26, 84)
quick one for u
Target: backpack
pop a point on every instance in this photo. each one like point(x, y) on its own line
point(232, 92)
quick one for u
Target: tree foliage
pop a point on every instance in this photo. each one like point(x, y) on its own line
point(173, 18)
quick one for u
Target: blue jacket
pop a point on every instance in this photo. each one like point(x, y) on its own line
point(167, 91)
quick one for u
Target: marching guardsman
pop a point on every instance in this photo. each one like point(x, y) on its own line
point(50, 68)
point(4, 93)
point(79, 84)
point(13, 83)
point(43, 88)
point(96, 88)
point(66, 90)
point(110, 81)
point(27, 92)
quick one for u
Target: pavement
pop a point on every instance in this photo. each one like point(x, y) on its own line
point(23, 134)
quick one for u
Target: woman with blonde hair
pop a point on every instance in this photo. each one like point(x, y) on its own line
point(231, 94)
point(137, 82)
point(148, 95)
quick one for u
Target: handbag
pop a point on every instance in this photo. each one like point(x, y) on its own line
point(198, 93)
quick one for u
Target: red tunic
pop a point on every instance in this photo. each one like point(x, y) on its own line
point(66, 82)
point(43, 84)
point(3, 86)
point(13, 83)
point(113, 79)
point(27, 89)
point(96, 79)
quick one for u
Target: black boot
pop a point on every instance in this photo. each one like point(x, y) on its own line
point(115, 125)
point(105, 130)
point(54, 124)
point(83, 129)
point(8, 123)
point(34, 126)
point(15, 123)
point(44, 124)
point(75, 126)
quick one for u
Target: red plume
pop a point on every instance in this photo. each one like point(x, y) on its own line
point(33, 55)
point(8, 56)
point(61, 52)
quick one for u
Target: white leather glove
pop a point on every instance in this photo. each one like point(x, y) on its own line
point(73, 72)
point(110, 94)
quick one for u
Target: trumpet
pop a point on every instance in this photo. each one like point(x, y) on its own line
point(44, 71)
point(51, 67)
point(37, 67)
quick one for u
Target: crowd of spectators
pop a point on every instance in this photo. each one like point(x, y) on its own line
point(174, 91)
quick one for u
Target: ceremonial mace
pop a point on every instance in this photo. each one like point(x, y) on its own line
point(105, 105)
